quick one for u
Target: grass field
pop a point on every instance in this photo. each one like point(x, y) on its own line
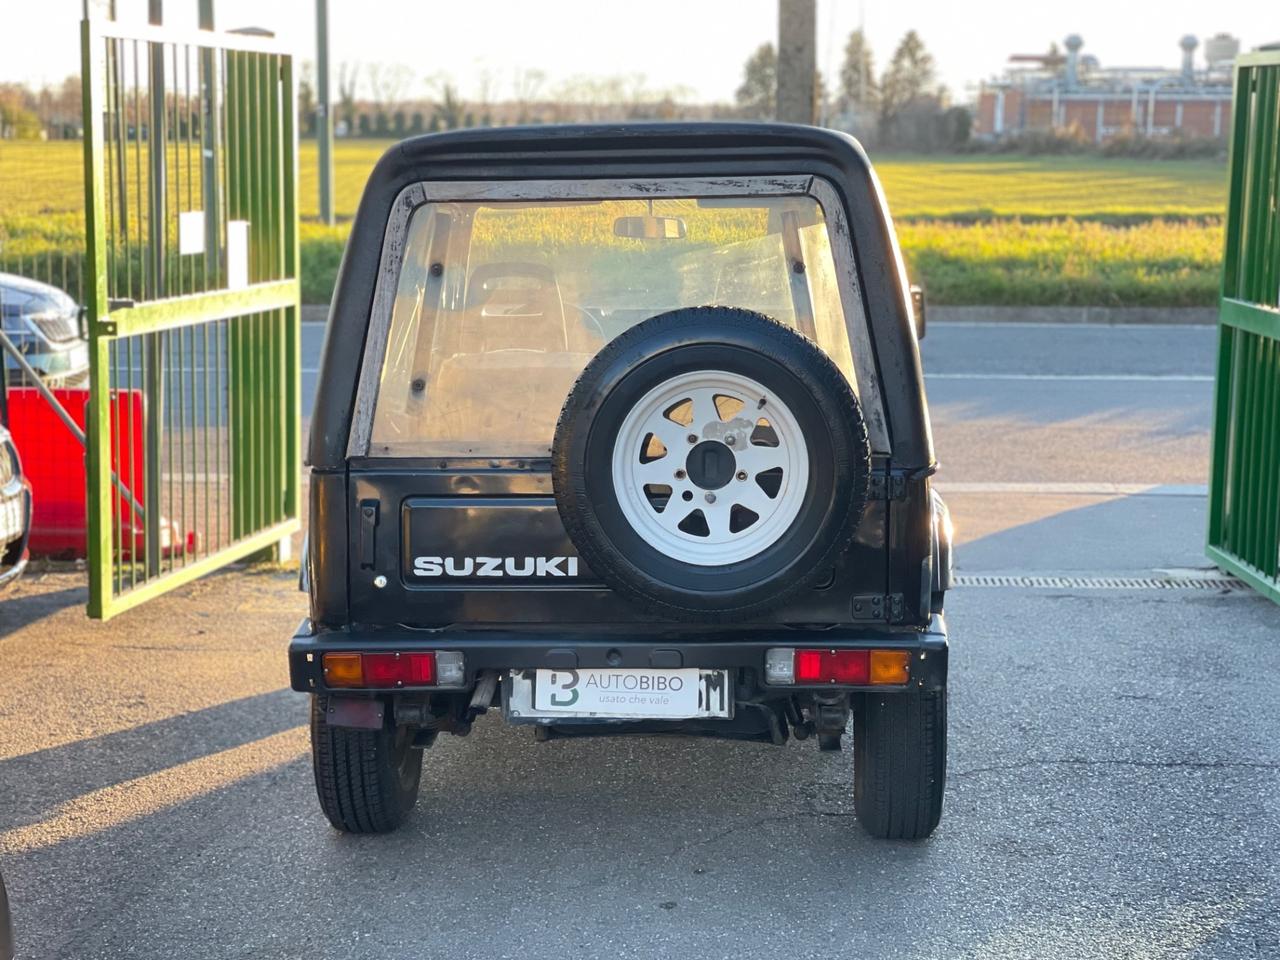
point(1014, 230)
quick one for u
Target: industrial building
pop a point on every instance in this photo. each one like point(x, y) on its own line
point(1061, 91)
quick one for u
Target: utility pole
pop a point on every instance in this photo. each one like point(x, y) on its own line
point(797, 60)
point(324, 113)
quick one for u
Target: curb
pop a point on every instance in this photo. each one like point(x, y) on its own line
point(1185, 316)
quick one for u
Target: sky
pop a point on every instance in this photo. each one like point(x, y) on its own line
point(696, 45)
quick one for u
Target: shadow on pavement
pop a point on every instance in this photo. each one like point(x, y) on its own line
point(1048, 533)
point(34, 785)
point(18, 610)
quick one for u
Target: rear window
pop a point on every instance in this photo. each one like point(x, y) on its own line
point(499, 306)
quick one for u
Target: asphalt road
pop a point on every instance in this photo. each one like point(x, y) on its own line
point(1114, 782)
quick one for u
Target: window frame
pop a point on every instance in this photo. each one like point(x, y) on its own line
point(416, 195)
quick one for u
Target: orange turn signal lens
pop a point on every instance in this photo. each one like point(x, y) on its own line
point(890, 666)
point(343, 670)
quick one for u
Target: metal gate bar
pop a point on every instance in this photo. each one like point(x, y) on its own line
point(1244, 495)
point(192, 300)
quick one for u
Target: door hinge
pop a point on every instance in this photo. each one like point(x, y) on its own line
point(892, 487)
point(882, 608)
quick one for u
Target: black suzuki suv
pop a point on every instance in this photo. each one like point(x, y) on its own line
point(622, 429)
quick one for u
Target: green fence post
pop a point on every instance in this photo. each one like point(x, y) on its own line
point(157, 242)
point(98, 424)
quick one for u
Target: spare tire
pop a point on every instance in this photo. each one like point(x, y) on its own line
point(710, 463)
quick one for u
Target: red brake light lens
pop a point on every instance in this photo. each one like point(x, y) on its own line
point(399, 669)
point(833, 666)
point(380, 669)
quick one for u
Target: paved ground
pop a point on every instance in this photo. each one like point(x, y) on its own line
point(1114, 775)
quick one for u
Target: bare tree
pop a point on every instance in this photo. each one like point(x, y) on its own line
point(526, 85)
point(388, 83)
point(306, 98)
point(574, 99)
point(348, 79)
point(450, 111)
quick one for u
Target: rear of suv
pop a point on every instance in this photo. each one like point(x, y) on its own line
point(623, 430)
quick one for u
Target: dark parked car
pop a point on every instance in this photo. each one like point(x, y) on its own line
point(6, 925)
point(44, 324)
point(621, 430)
point(15, 510)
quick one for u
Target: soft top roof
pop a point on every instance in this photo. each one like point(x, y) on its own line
point(645, 142)
point(590, 151)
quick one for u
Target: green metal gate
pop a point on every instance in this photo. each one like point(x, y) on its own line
point(1244, 502)
point(192, 299)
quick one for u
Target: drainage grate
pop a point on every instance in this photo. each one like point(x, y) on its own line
point(1102, 583)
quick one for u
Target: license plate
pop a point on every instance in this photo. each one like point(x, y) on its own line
point(609, 693)
point(10, 520)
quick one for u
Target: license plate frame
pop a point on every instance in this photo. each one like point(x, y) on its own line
point(522, 701)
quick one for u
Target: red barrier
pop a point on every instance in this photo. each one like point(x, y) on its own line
point(53, 461)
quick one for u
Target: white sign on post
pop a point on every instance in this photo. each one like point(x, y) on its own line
point(190, 232)
point(237, 254)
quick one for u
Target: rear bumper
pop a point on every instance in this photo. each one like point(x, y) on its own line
point(571, 647)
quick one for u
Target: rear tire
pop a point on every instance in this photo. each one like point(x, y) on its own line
point(899, 763)
point(366, 780)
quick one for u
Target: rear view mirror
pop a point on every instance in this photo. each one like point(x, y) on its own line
point(649, 228)
point(917, 309)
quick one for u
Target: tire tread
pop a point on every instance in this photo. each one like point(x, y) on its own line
point(900, 759)
point(356, 782)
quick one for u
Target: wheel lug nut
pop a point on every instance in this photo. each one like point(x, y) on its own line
point(729, 440)
point(693, 438)
point(680, 474)
point(711, 498)
point(742, 474)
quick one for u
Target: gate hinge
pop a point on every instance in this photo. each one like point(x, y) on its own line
point(890, 608)
point(881, 487)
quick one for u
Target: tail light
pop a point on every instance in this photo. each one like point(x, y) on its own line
point(381, 671)
point(833, 666)
point(786, 665)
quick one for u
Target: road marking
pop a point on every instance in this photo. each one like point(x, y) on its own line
point(1087, 489)
point(1065, 325)
point(121, 803)
point(1080, 377)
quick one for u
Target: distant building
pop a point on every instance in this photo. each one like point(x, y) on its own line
point(1057, 91)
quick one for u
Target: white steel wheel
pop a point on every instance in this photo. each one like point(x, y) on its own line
point(710, 468)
